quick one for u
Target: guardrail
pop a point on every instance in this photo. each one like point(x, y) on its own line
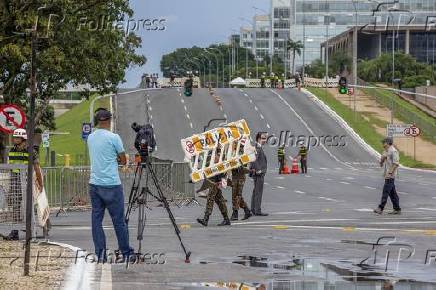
point(67, 187)
point(290, 83)
point(178, 82)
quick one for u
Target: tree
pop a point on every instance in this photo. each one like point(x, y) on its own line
point(296, 47)
point(77, 44)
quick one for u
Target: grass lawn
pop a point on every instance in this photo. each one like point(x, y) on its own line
point(364, 128)
point(72, 143)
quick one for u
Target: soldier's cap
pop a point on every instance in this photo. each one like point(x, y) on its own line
point(388, 140)
point(103, 115)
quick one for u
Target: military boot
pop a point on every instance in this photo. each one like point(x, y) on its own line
point(234, 215)
point(247, 213)
point(204, 221)
point(225, 222)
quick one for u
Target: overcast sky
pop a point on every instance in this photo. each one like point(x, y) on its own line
point(188, 23)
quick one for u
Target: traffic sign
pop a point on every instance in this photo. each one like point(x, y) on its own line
point(86, 130)
point(402, 130)
point(11, 118)
point(45, 139)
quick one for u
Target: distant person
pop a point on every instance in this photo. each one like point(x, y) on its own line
point(297, 81)
point(155, 79)
point(147, 81)
point(258, 170)
point(281, 157)
point(106, 151)
point(390, 159)
point(302, 154)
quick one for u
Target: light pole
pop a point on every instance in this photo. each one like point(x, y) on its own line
point(216, 68)
point(355, 39)
point(222, 56)
point(209, 65)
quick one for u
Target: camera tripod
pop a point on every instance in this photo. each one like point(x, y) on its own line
point(139, 196)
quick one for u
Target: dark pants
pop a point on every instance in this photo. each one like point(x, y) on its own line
point(256, 199)
point(390, 191)
point(303, 163)
point(282, 164)
point(112, 199)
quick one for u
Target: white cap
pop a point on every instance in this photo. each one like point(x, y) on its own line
point(20, 133)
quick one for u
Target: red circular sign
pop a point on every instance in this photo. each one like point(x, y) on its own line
point(12, 117)
point(413, 131)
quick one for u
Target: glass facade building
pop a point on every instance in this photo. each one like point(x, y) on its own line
point(315, 21)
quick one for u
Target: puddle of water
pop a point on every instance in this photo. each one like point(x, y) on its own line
point(314, 273)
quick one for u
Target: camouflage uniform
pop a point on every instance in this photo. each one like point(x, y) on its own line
point(215, 195)
point(238, 181)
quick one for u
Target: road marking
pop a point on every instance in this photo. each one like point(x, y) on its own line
point(269, 127)
point(370, 187)
point(328, 179)
point(106, 277)
point(262, 117)
point(279, 177)
point(338, 168)
point(403, 193)
point(344, 182)
point(299, 192)
point(280, 187)
point(151, 117)
point(246, 95)
point(266, 183)
point(425, 208)
point(328, 199)
point(364, 210)
point(225, 116)
point(349, 178)
point(307, 175)
point(251, 101)
point(323, 168)
point(150, 108)
point(255, 107)
point(434, 197)
point(185, 108)
point(190, 124)
point(187, 116)
point(182, 100)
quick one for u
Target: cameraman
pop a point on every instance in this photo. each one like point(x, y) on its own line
point(105, 188)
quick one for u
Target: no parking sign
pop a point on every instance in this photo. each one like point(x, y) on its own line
point(11, 118)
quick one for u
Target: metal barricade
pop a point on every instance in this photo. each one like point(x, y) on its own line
point(68, 187)
point(13, 182)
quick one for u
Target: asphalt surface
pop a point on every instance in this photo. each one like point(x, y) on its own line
point(314, 219)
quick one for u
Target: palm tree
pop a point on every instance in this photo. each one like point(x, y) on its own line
point(296, 47)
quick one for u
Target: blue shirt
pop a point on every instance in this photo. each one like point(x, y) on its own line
point(104, 147)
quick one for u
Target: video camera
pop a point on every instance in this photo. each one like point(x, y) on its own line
point(144, 140)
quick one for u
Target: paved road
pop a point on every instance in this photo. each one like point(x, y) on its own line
point(311, 217)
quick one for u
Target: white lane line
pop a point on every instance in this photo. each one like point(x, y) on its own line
point(280, 187)
point(186, 109)
point(308, 128)
point(269, 127)
point(308, 176)
point(279, 177)
point(225, 116)
point(299, 192)
point(328, 199)
point(425, 208)
point(328, 179)
point(266, 183)
point(150, 108)
point(344, 182)
point(187, 116)
point(182, 100)
point(370, 187)
point(403, 193)
point(251, 101)
point(349, 178)
point(190, 124)
point(364, 210)
point(106, 277)
point(246, 95)
point(262, 117)
point(434, 197)
point(323, 168)
point(255, 107)
point(338, 168)
point(150, 117)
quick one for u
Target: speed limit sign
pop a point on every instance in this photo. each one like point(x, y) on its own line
point(11, 118)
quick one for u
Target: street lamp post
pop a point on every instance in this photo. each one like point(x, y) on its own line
point(209, 65)
point(217, 66)
point(222, 56)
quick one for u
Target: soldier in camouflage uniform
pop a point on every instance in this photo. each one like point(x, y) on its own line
point(215, 195)
point(238, 181)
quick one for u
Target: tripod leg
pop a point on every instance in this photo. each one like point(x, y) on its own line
point(141, 218)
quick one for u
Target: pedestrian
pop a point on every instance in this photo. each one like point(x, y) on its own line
point(19, 155)
point(106, 151)
point(302, 153)
point(215, 195)
point(390, 160)
point(297, 81)
point(258, 169)
point(155, 78)
point(238, 181)
point(281, 157)
point(147, 81)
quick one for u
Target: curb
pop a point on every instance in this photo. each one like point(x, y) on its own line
point(78, 276)
point(353, 133)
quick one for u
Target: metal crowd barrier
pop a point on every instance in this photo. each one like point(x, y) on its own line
point(67, 187)
point(290, 83)
point(178, 82)
point(13, 182)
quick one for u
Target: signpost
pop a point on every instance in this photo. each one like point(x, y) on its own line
point(11, 118)
point(402, 131)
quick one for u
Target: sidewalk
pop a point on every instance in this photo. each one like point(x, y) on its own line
point(380, 116)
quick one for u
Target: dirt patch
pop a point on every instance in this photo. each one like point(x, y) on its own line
point(379, 115)
point(47, 267)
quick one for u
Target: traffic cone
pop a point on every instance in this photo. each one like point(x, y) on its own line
point(295, 169)
point(286, 169)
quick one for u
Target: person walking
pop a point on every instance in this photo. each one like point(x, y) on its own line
point(215, 195)
point(258, 170)
point(302, 154)
point(106, 151)
point(238, 181)
point(390, 160)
